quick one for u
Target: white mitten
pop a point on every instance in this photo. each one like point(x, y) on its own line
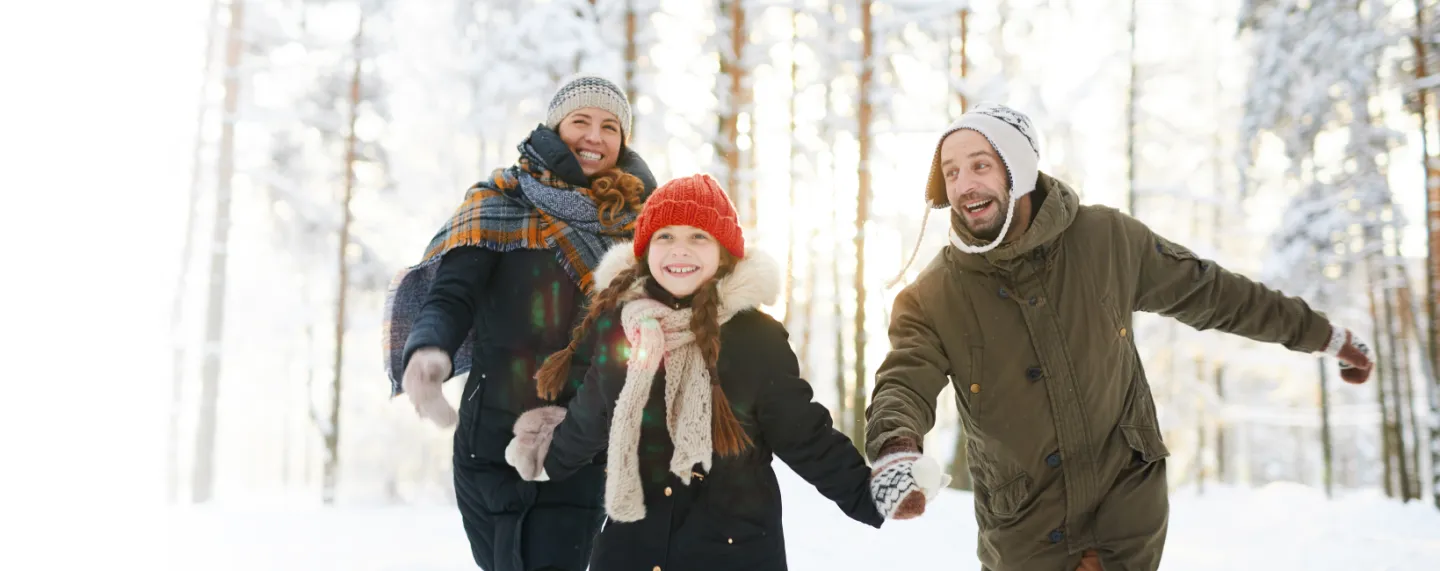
point(424, 375)
point(931, 477)
point(515, 457)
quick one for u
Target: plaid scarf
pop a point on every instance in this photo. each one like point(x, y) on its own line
point(525, 206)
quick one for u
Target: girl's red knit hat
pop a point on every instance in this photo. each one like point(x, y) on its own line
point(695, 200)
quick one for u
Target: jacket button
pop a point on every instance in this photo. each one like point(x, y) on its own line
point(1055, 537)
point(975, 388)
point(1122, 331)
point(1053, 460)
point(667, 490)
point(1033, 373)
point(1004, 294)
point(1034, 300)
point(730, 541)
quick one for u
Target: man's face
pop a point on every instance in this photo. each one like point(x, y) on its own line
point(975, 182)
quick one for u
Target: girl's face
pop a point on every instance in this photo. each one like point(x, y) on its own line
point(682, 258)
point(593, 134)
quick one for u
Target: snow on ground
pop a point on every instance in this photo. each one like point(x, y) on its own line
point(1279, 527)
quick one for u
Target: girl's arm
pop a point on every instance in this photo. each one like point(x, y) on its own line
point(800, 430)
point(554, 442)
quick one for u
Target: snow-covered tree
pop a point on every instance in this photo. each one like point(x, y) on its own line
point(1314, 89)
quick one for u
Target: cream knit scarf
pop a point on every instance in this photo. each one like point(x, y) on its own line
point(660, 334)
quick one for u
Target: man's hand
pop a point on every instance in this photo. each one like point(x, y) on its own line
point(904, 481)
point(426, 372)
point(1090, 562)
point(1356, 360)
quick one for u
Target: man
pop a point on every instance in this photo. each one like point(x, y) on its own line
point(1028, 313)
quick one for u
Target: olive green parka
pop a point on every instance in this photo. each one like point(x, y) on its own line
point(1036, 337)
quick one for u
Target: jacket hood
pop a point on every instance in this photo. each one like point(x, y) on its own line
point(754, 282)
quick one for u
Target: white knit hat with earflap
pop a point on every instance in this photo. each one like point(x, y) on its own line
point(1013, 137)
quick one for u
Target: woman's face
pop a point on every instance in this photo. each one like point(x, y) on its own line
point(682, 258)
point(593, 134)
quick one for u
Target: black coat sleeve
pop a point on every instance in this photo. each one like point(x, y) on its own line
point(585, 432)
point(800, 431)
point(449, 311)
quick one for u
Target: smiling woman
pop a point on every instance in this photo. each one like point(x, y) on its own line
point(497, 290)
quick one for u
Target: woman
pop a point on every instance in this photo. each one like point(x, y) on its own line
point(499, 289)
point(691, 393)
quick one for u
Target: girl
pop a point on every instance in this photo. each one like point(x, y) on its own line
point(500, 287)
point(690, 391)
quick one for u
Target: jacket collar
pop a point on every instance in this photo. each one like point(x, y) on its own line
point(562, 162)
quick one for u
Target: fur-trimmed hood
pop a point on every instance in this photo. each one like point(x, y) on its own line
point(754, 282)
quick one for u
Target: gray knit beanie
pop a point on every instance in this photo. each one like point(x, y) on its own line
point(590, 91)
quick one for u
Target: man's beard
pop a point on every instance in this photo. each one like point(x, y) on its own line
point(990, 232)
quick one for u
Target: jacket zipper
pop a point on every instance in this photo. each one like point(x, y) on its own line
point(477, 388)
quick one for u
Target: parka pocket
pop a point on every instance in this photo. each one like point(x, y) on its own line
point(1146, 442)
point(1005, 499)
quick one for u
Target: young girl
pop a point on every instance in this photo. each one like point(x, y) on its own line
point(690, 391)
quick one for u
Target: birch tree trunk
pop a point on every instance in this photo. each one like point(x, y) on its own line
point(1326, 444)
point(332, 430)
point(862, 214)
point(732, 70)
point(959, 469)
point(177, 307)
point(1132, 199)
point(203, 477)
point(1387, 446)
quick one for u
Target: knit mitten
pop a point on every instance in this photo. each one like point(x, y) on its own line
point(1355, 357)
point(424, 374)
point(904, 480)
point(533, 432)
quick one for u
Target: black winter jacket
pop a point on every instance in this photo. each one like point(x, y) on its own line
point(730, 517)
point(523, 306)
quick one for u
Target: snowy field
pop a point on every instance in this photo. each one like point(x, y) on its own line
point(1275, 528)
